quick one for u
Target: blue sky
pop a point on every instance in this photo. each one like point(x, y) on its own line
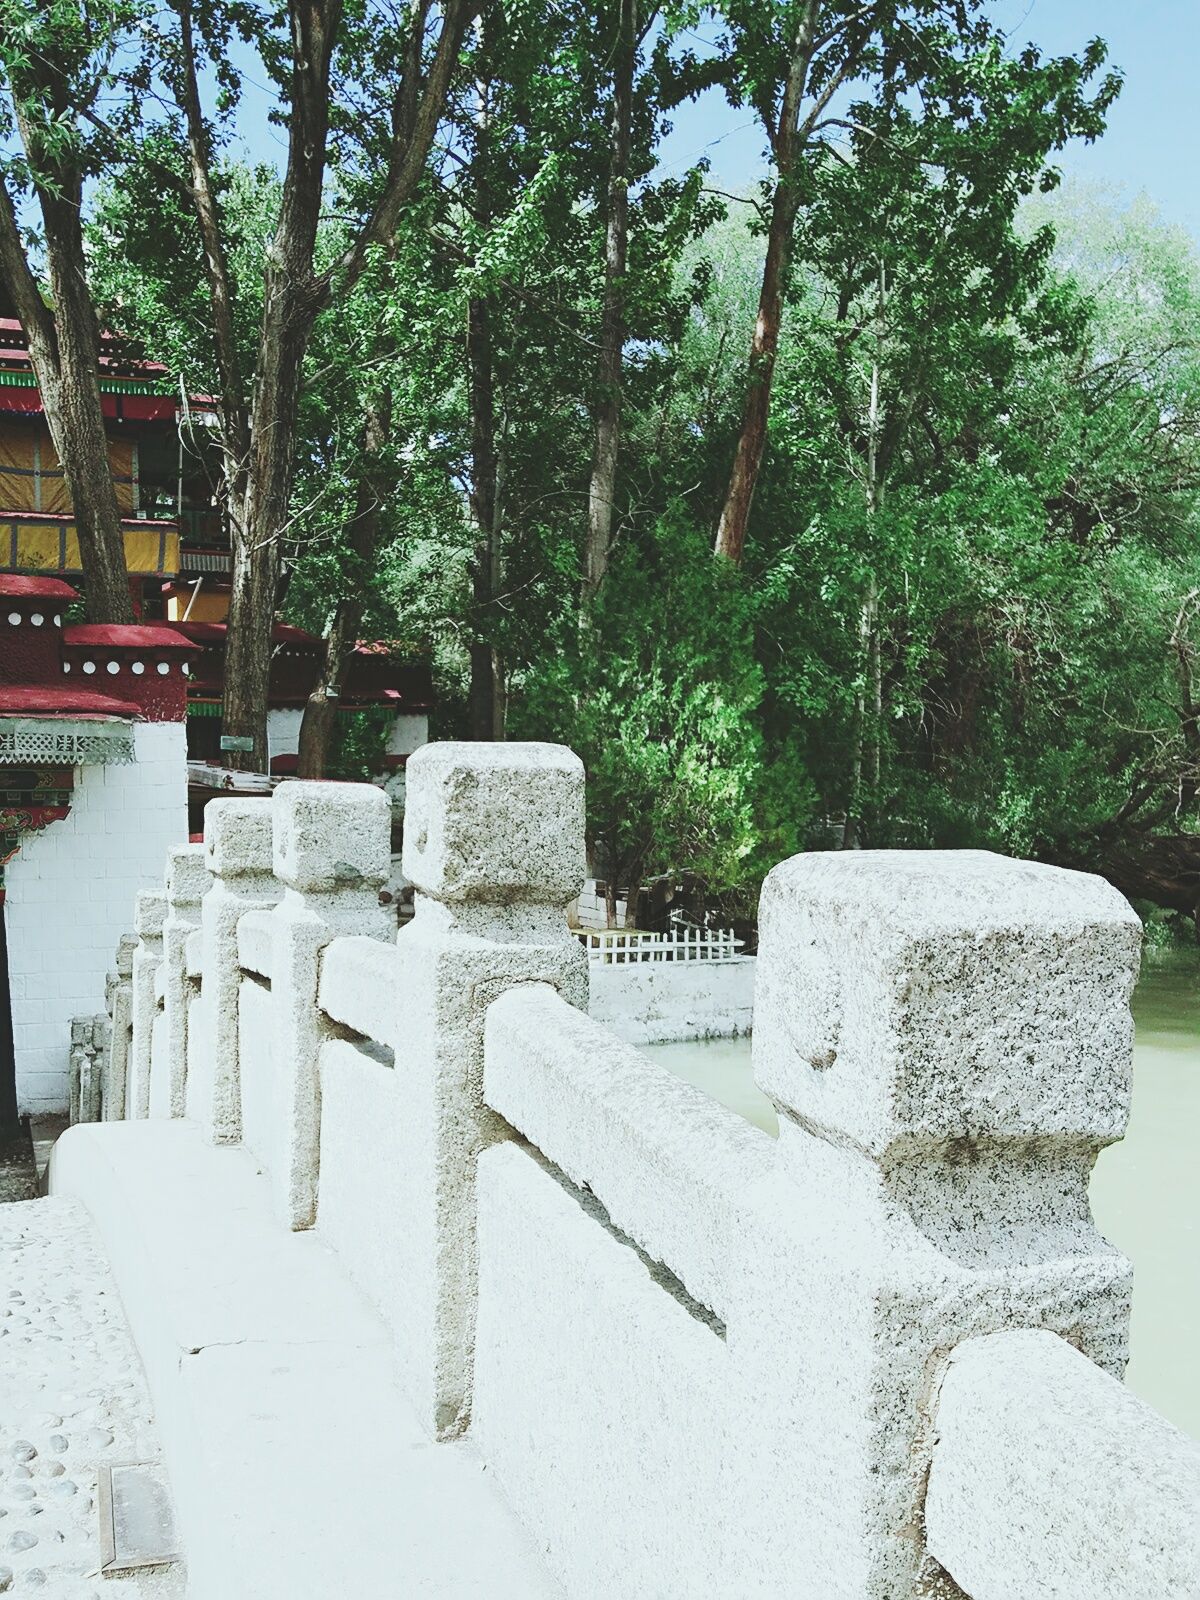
point(1153, 138)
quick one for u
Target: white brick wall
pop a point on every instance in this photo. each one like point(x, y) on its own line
point(69, 897)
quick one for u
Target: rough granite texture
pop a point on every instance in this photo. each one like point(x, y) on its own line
point(948, 1042)
point(302, 925)
point(1050, 1479)
point(188, 881)
point(237, 853)
point(72, 1397)
point(330, 837)
point(150, 912)
point(947, 1038)
point(495, 822)
point(498, 831)
point(934, 995)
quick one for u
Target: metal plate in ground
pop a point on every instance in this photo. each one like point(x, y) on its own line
point(137, 1519)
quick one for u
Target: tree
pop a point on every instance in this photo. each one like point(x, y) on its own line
point(794, 62)
point(55, 62)
point(602, 487)
point(259, 416)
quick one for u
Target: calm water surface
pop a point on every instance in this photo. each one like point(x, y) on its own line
point(1145, 1190)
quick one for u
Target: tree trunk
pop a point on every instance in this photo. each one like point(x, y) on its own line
point(320, 711)
point(787, 143)
point(258, 524)
point(486, 572)
point(486, 696)
point(867, 734)
point(603, 485)
point(64, 349)
point(291, 302)
point(294, 296)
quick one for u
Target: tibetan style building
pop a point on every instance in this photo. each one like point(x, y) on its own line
point(110, 737)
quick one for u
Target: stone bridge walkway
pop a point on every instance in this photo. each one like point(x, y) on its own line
point(72, 1397)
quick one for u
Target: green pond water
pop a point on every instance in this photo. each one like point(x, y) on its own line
point(1145, 1190)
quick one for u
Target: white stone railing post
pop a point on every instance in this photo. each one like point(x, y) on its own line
point(947, 1037)
point(332, 854)
point(118, 1000)
point(188, 880)
point(493, 843)
point(150, 910)
point(237, 856)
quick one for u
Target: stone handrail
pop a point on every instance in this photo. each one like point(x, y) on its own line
point(1050, 1478)
point(696, 1359)
point(254, 943)
point(670, 1166)
point(359, 984)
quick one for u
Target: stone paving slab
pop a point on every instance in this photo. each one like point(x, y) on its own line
point(72, 1397)
point(298, 1469)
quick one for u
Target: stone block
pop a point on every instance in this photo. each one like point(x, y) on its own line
point(1050, 1478)
point(237, 837)
point(945, 995)
point(188, 876)
point(495, 822)
point(149, 914)
point(331, 836)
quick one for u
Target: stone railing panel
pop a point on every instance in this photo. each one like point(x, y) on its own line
point(238, 855)
point(359, 986)
point(1049, 1478)
point(254, 943)
point(671, 1167)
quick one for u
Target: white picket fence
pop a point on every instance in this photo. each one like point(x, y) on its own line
point(617, 947)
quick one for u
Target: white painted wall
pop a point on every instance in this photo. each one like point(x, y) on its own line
point(655, 1002)
point(407, 733)
point(69, 898)
point(283, 731)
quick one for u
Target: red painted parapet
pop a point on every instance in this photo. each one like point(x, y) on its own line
point(147, 665)
point(31, 621)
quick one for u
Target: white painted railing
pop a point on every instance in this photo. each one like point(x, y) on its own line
point(699, 1361)
point(621, 947)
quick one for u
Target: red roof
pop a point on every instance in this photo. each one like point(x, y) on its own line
point(125, 636)
point(14, 587)
point(213, 633)
point(40, 700)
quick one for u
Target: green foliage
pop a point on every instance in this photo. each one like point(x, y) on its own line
point(963, 614)
point(659, 698)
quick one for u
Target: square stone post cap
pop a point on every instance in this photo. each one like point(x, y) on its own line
point(237, 836)
point(188, 876)
point(331, 836)
point(495, 822)
point(944, 995)
point(149, 913)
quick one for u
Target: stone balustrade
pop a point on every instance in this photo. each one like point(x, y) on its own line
point(876, 1358)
